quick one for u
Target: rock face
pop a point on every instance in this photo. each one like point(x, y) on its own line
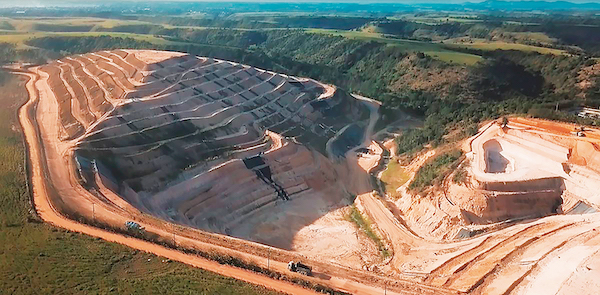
point(169, 132)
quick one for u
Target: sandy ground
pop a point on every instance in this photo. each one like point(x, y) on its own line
point(391, 146)
point(368, 161)
point(584, 280)
point(340, 241)
point(508, 272)
point(350, 248)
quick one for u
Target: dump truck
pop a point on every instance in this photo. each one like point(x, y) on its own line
point(299, 268)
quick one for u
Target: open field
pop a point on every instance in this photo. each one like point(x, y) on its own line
point(434, 50)
point(38, 258)
point(533, 36)
point(499, 45)
point(32, 24)
point(25, 28)
point(436, 20)
point(21, 38)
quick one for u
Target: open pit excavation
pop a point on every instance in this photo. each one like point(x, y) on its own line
point(222, 157)
point(190, 148)
point(211, 144)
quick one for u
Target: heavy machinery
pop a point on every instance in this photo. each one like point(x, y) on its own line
point(299, 268)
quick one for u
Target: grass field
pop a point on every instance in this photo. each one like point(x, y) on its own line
point(29, 24)
point(19, 39)
point(431, 49)
point(25, 29)
point(36, 258)
point(433, 20)
point(499, 45)
point(532, 36)
point(394, 177)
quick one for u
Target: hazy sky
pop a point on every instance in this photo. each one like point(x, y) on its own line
point(50, 2)
point(33, 3)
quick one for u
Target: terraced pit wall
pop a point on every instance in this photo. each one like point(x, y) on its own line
point(167, 132)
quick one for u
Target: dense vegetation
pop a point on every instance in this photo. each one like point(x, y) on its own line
point(434, 170)
point(266, 21)
point(506, 82)
point(72, 45)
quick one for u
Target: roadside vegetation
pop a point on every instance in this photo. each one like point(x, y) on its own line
point(460, 176)
point(364, 225)
point(36, 258)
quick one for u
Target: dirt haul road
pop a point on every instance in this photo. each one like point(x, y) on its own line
point(43, 190)
point(47, 212)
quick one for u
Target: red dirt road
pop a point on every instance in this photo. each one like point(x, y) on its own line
point(47, 212)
